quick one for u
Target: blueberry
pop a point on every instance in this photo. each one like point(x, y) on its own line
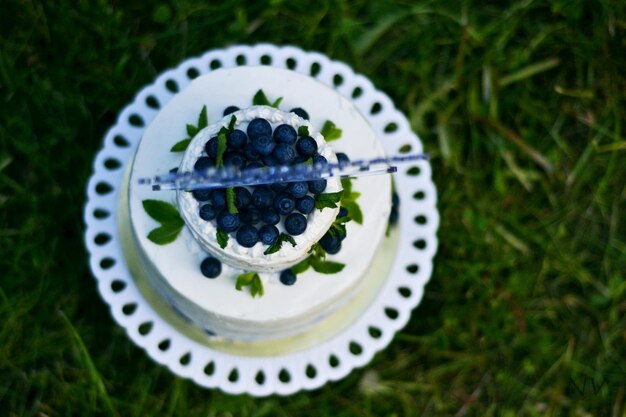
point(285, 134)
point(270, 216)
point(306, 146)
point(234, 159)
point(262, 197)
point(251, 153)
point(201, 195)
point(254, 165)
point(295, 224)
point(298, 189)
point(268, 234)
point(259, 127)
point(202, 164)
point(236, 139)
point(320, 160)
point(343, 212)
point(228, 222)
point(218, 198)
point(242, 197)
point(394, 215)
point(395, 199)
point(299, 159)
point(211, 147)
point(250, 215)
point(279, 186)
point(300, 112)
point(317, 186)
point(230, 109)
point(174, 170)
point(269, 160)
point(284, 153)
point(211, 267)
point(247, 236)
point(287, 277)
point(342, 159)
point(306, 204)
point(264, 144)
point(330, 243)
point(207, 212)
point(284, 203)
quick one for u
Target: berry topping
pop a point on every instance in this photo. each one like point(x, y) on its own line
point(228, 222)
point(270, 216)
point(203, 163)
point(284, 153)
point(242, 197)
point(319, 160)
point(295, 224)
point(254, 165)
point(247, 236)
point(306, 146)
point(268, 234)
point(264, 144)
point(250, 215)
point(269, 160)
point(287, 277)
point(236, 139)
point(317, 186)
point(334, 250)
point(279, 186)
point(284, 203)
point(207, 212)
point(211, 267)
point(211, 147)
point(285, 134)
point(230, 109)
point(298, 189)
point(343, 212)
point(218, 198)
point(234, 159)
point(251, 153)
point(201, 195)
point(306, 204)
point(300, 112)
point(342, 158)
point(330, 243)
point(262, 197)
point(174, 170)
point(258, 128)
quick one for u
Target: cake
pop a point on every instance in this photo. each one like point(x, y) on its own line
point(235, 282)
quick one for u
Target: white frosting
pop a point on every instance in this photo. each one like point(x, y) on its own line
point(253, 258)
point(173, 269)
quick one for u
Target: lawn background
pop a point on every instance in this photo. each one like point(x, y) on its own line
point(522, 108)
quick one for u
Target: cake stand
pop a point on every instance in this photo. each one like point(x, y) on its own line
point(281, 373)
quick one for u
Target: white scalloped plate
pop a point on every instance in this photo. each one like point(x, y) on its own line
point(283, 374)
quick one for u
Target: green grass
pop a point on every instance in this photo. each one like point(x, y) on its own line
point(522, 107)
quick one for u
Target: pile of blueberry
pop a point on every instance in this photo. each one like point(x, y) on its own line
point(261, 208)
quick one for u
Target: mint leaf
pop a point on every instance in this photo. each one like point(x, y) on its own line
point(329, 200)
point(325, 267)
point(231, 125)
point(192, 130)
point(354, 210)
point(180, 146)
point(276, 103)
point(279, 243)
point(230, 200)
point(165, 234)
point(303, 131)
point(222, 238)
point(221, 148)
point(252, 280)
point(162, 212)
point(260, 99)
point(346, 183)
point(300, 267)
point(330, 131)
point(203, 121)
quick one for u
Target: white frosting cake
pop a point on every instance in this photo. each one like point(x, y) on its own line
point(173, 269)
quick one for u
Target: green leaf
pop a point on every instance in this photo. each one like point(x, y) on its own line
point(230, 200)
point(192, 130)
point(252, 280)
point(180, 146)
point(203, 121)
point(164, 213)
point(231, 125)
point(222, 238)
point(165, 234)
point(279, 243)
point(256, 288)
point(346, 183)
point(276, 103)
point(221, 148)
point(354, 210)
point(260, 99)
point(300, 267)
point(330, 131)
point(303, 131)
point(329, 200)
point(325, 267)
